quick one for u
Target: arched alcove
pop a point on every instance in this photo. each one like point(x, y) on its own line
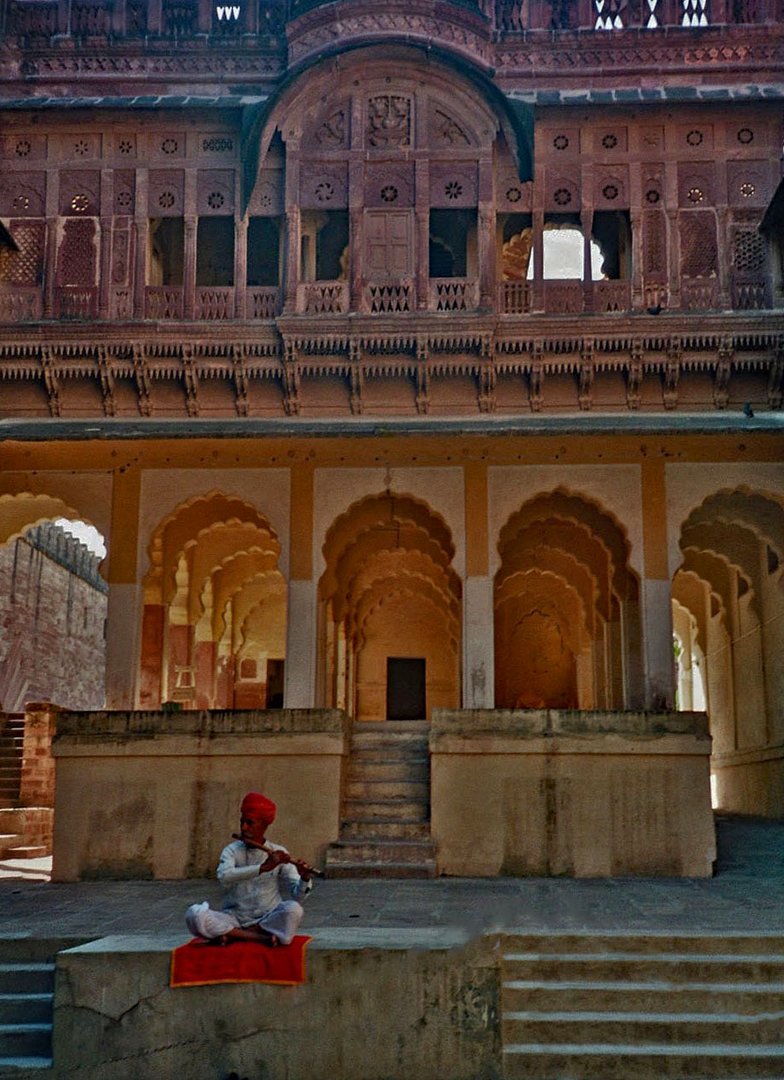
point(391, 610)
point(214, 623)
point(729, 585)
point(566, 608)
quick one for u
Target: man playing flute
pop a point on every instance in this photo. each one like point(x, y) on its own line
point(263, 885)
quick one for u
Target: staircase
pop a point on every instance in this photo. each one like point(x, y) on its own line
point(26, 1005)
point(580, 1006)
point(385, 831)
point(20, 826)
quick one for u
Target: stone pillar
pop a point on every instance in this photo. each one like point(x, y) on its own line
point(37, 784)
point(300, 689)
point(189, 268)
point(486, 242)
point(478, 643)
point(656, 590)
point(122, 617)
point(240, 268)
point(293, 234)
point(422, 233)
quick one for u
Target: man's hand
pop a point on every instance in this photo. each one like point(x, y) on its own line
point(303, 869)
point(273, 861)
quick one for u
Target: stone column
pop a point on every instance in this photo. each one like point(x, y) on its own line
point(478, 644)
point(189, 268)
point(300, 689)
point(122, 617)
point(422, 233)
point(240, 268)
point(656, 590)
point(293, 235)
point(141, 226)
point(486, 224)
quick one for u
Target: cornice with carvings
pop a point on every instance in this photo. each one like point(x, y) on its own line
point(720, 349)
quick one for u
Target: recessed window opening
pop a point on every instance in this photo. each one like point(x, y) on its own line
point(452, 243)
point(264, 250)
point(612, 233)
point(324, 245)
point(166, 250)
point(562, 249)
point(516, 246)
point(215, 251)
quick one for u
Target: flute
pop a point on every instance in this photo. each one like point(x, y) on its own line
point(271, 851)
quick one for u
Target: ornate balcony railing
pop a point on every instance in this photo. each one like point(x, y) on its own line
point(214, 303)
point(77, 302)
point(262, 302)
point(163, 302)
point(612, 296)
point(323, 298)
point(19, 304)
point(514, 297)
point(564, 297)
point(454, 294)
point(389, 297)
point(699, 294)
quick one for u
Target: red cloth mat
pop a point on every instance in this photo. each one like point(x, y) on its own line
point(199, 963)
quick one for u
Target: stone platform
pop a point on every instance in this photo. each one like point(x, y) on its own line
point(421, 979)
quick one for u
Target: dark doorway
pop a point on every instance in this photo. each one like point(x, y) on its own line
point(276, 670)
point(406, 694)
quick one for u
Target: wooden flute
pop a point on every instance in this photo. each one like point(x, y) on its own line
point(271, 851)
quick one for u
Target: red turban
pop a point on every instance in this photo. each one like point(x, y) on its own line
point(259, 806)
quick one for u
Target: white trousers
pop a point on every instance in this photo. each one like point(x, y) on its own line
point(282, 921)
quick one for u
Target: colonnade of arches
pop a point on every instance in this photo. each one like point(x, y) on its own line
point(567, 612)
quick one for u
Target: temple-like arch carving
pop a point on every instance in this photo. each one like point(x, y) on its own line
point(214, 625)
point(389, 591)
point(566, 608)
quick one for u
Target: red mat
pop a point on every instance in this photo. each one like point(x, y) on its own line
point(198, 963)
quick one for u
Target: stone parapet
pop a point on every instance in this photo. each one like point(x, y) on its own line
point(750, 781)
point(587, 794)
point(156, 795)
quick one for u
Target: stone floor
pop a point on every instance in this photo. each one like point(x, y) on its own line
point(747, 894)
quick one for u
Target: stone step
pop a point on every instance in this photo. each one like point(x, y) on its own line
point(389, 770)
point(24, 1008)
point(9, 840)
point(673, 967)
point(20, 1068)
point(380, 851)
point(26, 851)
point(26, 976)
point(26, 1040)
point(635, 1028)
point(379, 829)
point(658, 943)
point(375, 790)
point(645, 997)
point(382, 870)
point(388, 809)
point(651, 1062)
point(15, 948)
point(12, 820)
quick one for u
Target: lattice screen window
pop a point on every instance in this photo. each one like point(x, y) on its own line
point(749, 251)
point(695, 12)
point(650, 17)
point(25, 266)
point(76, 263)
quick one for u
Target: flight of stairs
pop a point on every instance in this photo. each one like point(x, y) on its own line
point(26, 1005)
point(385, 828)
point(648, 1007)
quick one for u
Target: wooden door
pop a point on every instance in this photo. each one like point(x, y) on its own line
point(389, 244)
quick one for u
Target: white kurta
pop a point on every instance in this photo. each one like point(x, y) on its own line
point(269, 900)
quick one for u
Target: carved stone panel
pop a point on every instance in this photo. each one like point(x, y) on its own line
point(696, 185)
point(748, 184)
point(652, 185)
point(124, 192)
point(166, 193)
point(323, 185)
point(562, 194)
point(215, 192)
point(80, 192)
point(122, 146)
point(389, 121)
point(686, 139)
point(79, 146)
point(654, 245)
point(121, 255)
point(216, 146)
point(699, 249)
point(76, 257)
point(22, 194)
point(25, 265)
point(512, 195)
point(610, 139)
point(453, 186)
point(267, 198)
point(389, 184)
point(611, 188)
point(23, 148)
point(445, 130)
point(166, 147)
point(559, 142)
point(332, 130)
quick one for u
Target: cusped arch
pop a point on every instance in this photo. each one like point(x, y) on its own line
point(762, 512)
point(20, 512)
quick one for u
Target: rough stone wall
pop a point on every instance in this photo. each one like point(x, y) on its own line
point(52, 619)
